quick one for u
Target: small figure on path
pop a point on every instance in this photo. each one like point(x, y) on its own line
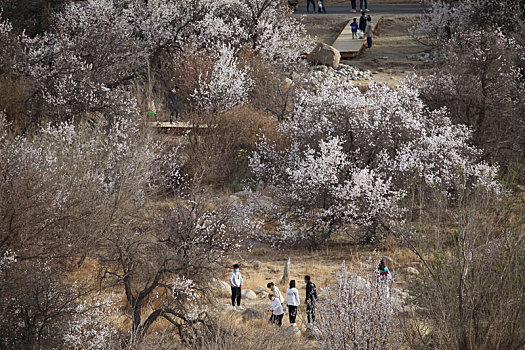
point(275, 291)
point(354, 5)
point(277, 311)
point(292, 301)
point(174, 106)
point(236, 284)
point(384, 277)
point(361, 5)
point(311, 299)
point(369, 32)
point(308, 2)
point(321, 7)
point(362, 22)
point(152, 110)
point(354, 27)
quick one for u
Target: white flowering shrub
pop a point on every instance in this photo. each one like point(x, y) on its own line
point(445, 19)
point(7, 259)
point(92, 326)
point(36, 305)
point(355, 312)
point(350, 157)
point(98, 51)
point(64, 185)
point(268, 29)
point(164, 265)
point(481, 56)
point(225, 86)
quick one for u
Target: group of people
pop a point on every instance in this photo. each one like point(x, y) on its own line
point(278, 302)
point(322, 9)
point(320, 6)
point(365, 26)
point(173, 102)
point(292, 300)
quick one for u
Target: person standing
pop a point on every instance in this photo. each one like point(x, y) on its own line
point(361, 5)
point(175, 106)
point(308, 2)
point(354, 5)
point(275, 291)
point(362, 22)
point(236, 284)
point(311, 299)
point(277, 311)
point(320, 6)
point(292, 301)
point(369, 32)
point(354, 27)
point(384, 277)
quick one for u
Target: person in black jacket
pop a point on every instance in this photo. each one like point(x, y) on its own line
point(362, 22)
point(311, 299)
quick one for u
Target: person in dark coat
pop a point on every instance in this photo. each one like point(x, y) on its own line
point(308, 2)
point(174, 105)
point(311, 299)
point(362, 22)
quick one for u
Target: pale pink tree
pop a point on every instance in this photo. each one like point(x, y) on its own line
point(352, 156)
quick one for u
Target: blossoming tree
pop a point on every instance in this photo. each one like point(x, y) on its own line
point(350, 158)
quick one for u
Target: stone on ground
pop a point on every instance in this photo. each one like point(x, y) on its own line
point(251, 314)
point(360, 283)
point(292, 331)
point(324, 54)
point(248, 294)
point(259, 289)
point(412, 271)
point(312, 332)
point(220, 286)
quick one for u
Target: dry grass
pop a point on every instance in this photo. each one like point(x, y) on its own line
point(264, 265)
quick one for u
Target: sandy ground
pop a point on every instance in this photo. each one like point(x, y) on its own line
point(387, 59)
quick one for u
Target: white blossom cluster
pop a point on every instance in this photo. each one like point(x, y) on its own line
point(92, 325)
point(352, 156)
point(82, 168)
point(226, 86)
point(7, 259)
point(356, 311)
point(94, 49)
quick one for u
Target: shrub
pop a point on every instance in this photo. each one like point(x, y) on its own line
point(355, 312)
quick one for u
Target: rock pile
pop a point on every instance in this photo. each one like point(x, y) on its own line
point(339, 76)
point(432, 56)
point(324, 54)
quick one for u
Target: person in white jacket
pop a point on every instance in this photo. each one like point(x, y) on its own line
point(275, 291)
point(277, 311)
point(236, 284)
point(292, 301)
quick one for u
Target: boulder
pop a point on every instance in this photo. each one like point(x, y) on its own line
point(248, 294)
point(263, 295)
point(220, 286)
point(389, 262)
point(234, 198)
point(292, 331)
point(312, 332)
point(251, 314)
point(412, 271)
point(259, 289)
point(324, 54)
point(242, 194)
point(360, 283)
point(286, 84)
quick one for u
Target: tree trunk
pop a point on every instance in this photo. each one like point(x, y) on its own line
point(286, 273)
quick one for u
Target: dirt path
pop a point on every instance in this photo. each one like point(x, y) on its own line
point(387, 59)
point(392, 43)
